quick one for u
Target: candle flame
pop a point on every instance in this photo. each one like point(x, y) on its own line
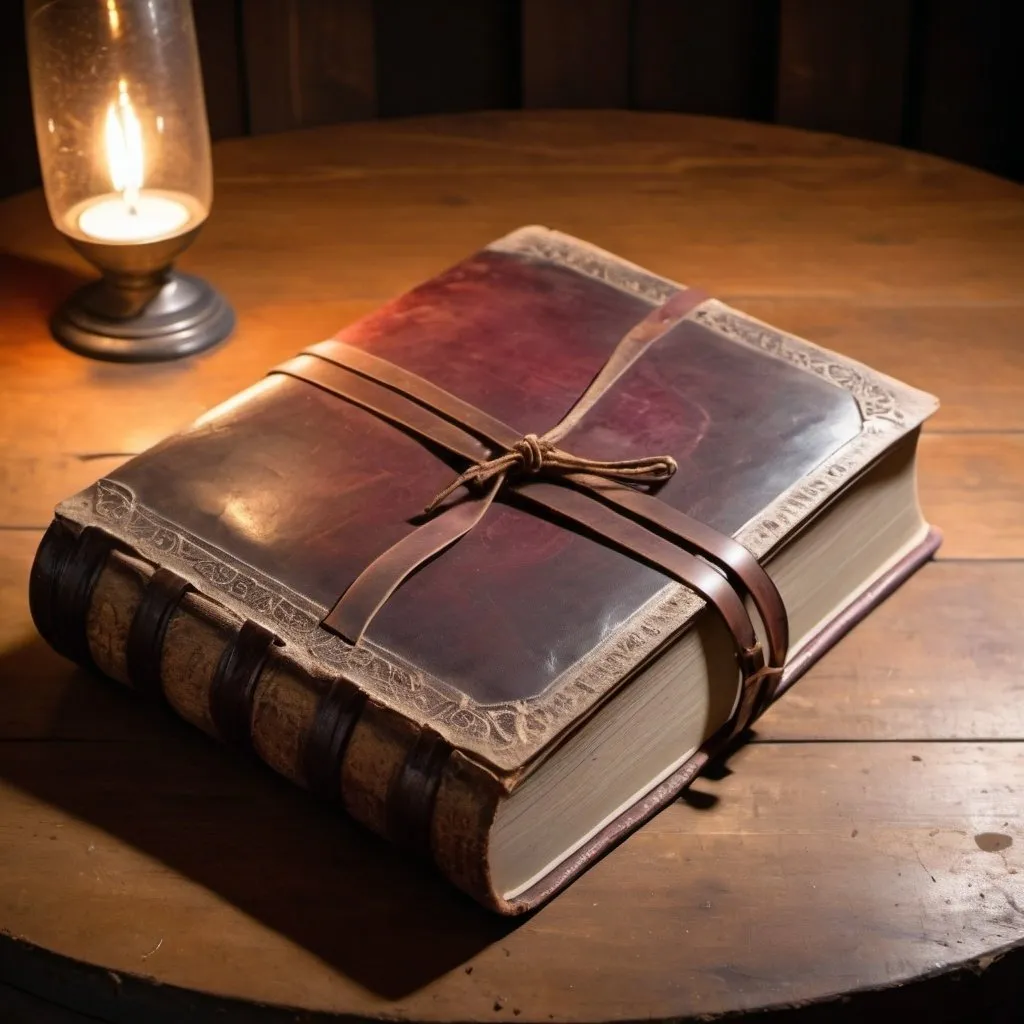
point(123, 134)
point(114, 18)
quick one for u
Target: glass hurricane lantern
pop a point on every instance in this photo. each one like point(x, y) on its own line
point(124, 146)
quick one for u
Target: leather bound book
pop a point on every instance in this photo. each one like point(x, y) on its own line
point(500, 566)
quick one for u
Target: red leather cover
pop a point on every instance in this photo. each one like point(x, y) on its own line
point(308, 489)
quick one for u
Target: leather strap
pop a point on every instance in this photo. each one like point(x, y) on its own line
point(55, 549)
point(411, 796)
point(145, 644)
point(366, 594)
point(73, 592)
point(633, 345)
point(337, 712)
point(354, 610)
point(652, 550)
point(743, 570)
point(388, 403)
point(234, 683)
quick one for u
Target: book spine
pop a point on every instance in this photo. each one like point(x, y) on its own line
point(99, 604)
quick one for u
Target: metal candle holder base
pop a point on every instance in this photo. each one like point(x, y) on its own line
point(182, 315)
point(141, 310)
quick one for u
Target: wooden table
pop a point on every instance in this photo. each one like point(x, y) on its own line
point(870, 836)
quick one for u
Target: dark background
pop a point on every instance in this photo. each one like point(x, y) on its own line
point(943, 76)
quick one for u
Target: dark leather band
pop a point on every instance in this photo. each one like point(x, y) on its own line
point(365, 595)
point(73, 589)
point(660, 554)
point(145, 644)
point(382, 399)
point(55, 549)
point(410, 799)
point(337, 712)
point(234, 683)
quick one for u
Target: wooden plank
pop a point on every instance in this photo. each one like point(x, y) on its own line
point(970, 80)
point(431, 193)
point(218, 32)
point(843, 66)
point(705, 58)
point(448, 56)
point(109, 849)
point(80, 409)
point(19, 168)
point(575, 53)
point(972, 488)
point(32, 486)
point(939, 660)
point(308, 62)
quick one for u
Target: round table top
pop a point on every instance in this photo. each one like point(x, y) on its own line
point(870, 833)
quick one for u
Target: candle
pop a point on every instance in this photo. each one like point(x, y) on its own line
point(130, 213)
point(154, 214)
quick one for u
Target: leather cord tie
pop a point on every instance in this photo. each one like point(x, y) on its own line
point(537, 456)
point(592, 497)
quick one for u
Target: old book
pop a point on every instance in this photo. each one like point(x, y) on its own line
point(509, 683)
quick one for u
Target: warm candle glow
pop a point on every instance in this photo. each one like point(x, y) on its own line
point(125, 157)
point(114, 17)
point(131, 213)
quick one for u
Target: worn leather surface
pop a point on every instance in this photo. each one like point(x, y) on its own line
point(412, 403)
point(579, 508)
point(309, 489)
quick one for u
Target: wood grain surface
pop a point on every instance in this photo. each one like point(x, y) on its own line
point(862, 852)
